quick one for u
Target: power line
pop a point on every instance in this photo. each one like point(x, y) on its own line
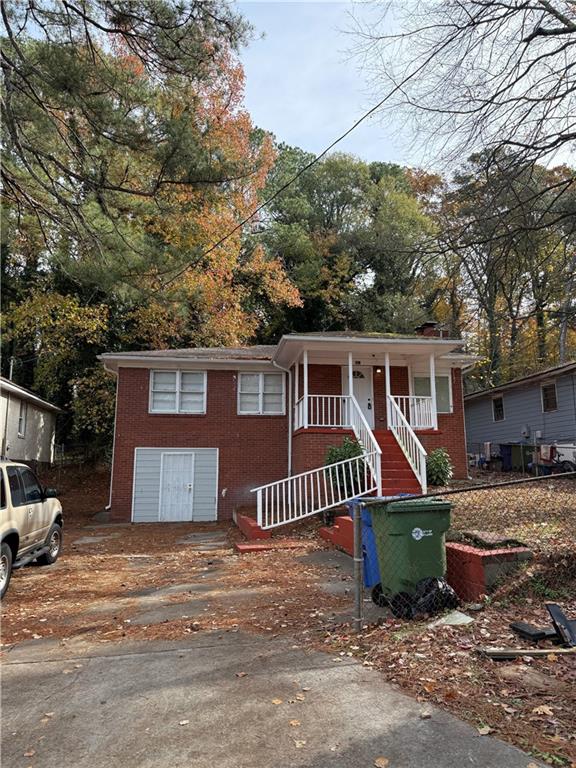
point(313, 162)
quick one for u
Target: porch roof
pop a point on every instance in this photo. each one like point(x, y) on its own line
point(368, 346)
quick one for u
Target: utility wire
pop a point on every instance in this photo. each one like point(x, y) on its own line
point(399, 86)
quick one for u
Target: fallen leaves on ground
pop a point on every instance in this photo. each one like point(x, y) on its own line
point(99, 589)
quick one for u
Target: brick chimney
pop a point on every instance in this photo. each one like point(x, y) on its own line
point(429, 328)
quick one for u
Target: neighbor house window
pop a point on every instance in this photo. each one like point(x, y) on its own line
point(549, 397)
point(22, 418)
point(498, 408)
point(260, 393)
point(177, 391)
point(443, 391)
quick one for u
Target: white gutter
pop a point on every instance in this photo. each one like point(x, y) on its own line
point(112, 363)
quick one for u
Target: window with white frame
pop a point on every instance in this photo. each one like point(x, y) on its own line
point(443, 391)
point(498, 408)
point(260, 393)
point(22, 418)
point(177, 391)
point(549, 397)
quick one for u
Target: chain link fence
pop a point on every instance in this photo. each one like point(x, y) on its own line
point(506, 541)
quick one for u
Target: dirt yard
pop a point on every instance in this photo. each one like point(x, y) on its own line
point(164, 581)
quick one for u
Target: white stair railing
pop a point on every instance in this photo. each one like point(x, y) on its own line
point(417, 410)
point(408, 442)
point(308, 493)
point(316, 490)
point(367, 440)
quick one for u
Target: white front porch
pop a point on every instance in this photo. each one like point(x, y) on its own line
point(371, 386)
point(382, 388)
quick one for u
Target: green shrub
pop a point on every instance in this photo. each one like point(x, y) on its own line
point(439, 468)
point(349, 449)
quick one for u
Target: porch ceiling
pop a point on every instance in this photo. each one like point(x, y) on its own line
point(367, 350)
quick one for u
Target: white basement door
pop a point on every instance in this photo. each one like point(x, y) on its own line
point(175, 484)
point(176, 487)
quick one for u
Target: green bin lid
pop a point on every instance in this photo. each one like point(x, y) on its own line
point(414, 505)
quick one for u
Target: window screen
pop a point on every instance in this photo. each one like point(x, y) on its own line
point(422, 389)
point(178, 391)
point(192, 386)
point(260, 393)
point(22, 418)
point(16, 492)
point(549, 397)
point(498, 408)
point(164, 392)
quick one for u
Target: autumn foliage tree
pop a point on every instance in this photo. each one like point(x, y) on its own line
point(128, 154)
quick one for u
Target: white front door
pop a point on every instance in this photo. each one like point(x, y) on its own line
point(363, 390)
point(176, 487)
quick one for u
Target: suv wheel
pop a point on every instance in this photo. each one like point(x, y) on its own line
point(54, 544)
point(5, 568)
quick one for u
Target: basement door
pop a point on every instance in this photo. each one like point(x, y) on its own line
point(175, 484)
point(176, 487)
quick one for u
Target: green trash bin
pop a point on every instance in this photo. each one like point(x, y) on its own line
point(410, 542)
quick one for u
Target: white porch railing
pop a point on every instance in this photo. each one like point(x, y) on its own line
point(339, 412)
point(324, 411)
point(417, 410)
point(308, 493)
point(407, 440)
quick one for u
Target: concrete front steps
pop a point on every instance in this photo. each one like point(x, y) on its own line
point(397, 478)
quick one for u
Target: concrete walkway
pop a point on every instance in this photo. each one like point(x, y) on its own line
point(222, 700)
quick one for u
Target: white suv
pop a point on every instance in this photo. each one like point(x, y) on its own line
point(30, 521)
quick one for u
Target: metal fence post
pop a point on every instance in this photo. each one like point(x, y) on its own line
point(358, 563)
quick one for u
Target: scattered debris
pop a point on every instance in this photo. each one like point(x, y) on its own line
point(453, 619)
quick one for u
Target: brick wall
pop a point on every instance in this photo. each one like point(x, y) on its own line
point(398, 384)
point(253, 450)
point(309, 447)
point(451, 433)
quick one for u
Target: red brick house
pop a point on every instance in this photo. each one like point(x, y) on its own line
point(202, 432)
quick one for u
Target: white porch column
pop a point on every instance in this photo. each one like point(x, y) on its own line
point(387, 381)
point(350, 387)
point(305, 393)
point(433, 391)
point(296, 382)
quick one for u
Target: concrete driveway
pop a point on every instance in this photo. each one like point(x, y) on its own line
point(230, 700)
point(98, 685)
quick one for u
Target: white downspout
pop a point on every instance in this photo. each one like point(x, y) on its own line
point(289, 372)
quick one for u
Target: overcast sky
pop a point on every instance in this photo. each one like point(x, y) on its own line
point(302, 84)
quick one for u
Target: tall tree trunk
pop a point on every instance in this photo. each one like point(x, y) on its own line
point(541, 333)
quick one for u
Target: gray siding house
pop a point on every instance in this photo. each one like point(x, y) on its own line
point(538, 408)
point(27, 424)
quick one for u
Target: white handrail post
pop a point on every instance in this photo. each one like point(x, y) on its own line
point(259, 508)
point(379, 474)
point(305, 363)
point(388, 392)
point(433, 391)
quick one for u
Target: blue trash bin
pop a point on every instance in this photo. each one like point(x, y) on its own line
point(371, 569)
